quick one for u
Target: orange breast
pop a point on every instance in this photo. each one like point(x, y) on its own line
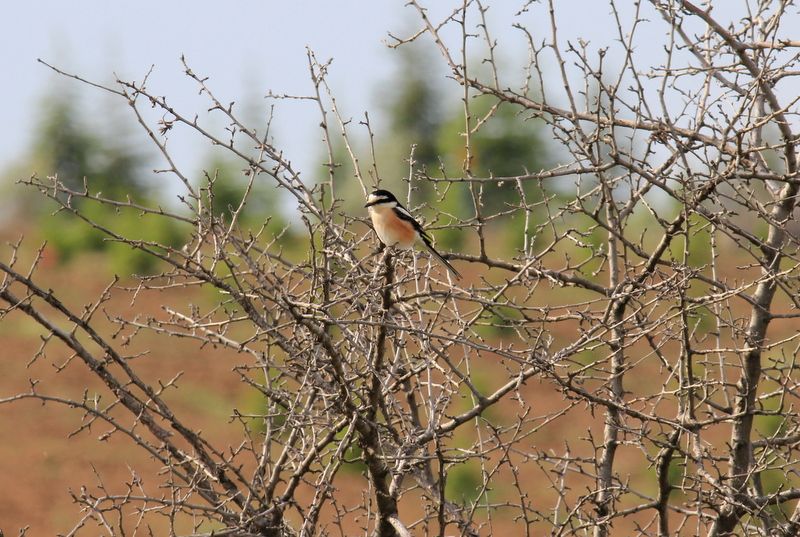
point(392, 231)
point(403, 232)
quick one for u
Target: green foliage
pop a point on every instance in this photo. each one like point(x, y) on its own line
point(69, 236)
point(702, 319)
point(498, 322)
point(463, 482)
point(770, 424)
point(203, 401)
point(256, 405)
point(588, 240)
point(226, 186)
point(104, 166)
point(481, 380)
point(507, 144)
point(774, 480)
point(415, 110)
point(698, 253)
point(65, 146)
point(503, 146)
point(354, 460)
point(585, 357)
point(675, 472)
point(226, 191)
point(125, 259)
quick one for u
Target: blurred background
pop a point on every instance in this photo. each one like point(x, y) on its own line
point(52, 124)
point(55, 125)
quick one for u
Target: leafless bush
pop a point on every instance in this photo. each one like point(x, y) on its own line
point(631, 366)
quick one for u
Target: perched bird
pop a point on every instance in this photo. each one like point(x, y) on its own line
point(396, 227)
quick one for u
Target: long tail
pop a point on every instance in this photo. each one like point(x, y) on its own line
point(441, 259)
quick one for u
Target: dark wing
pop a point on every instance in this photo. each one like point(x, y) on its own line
point(441, 259)
point(403, 214)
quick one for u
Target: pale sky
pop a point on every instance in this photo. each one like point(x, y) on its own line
point(248, 47)
point(244, 47)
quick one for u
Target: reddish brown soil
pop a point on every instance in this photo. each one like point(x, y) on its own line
point(40, 465)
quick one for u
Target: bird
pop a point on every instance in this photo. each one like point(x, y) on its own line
point(396, 227)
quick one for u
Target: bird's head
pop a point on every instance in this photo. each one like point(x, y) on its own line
point(381, 197)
